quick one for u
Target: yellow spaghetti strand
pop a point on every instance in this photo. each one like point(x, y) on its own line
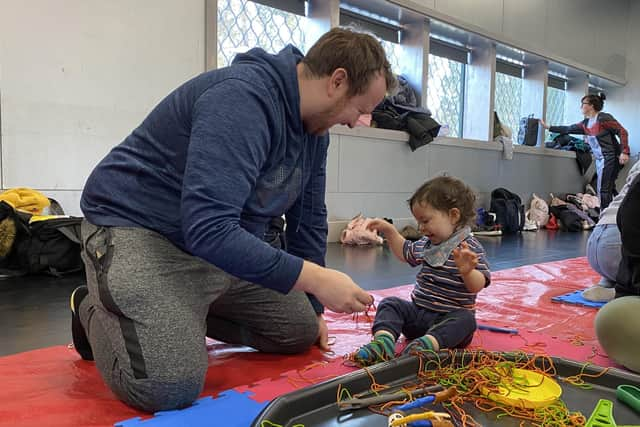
point(267, 423)
point(430, 415)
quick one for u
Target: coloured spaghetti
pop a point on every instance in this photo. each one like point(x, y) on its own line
point(476, 375)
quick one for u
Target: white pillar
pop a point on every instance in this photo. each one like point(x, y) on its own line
point(479, 93)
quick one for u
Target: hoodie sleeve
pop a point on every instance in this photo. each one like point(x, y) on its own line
point(307, 219)
point(223, 164)
point(609, 123)
point(575, 129)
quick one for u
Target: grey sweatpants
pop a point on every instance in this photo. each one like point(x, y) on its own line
point(150, 306)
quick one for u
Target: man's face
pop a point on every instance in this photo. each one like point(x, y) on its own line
point(346, 110)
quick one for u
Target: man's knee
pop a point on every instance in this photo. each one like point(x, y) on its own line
point(299, 334)
point(169, 384)
point(161, 394)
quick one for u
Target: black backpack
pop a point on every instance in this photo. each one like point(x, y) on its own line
point(45, 246)
point(509, 210)
point(528, 131)
point(569, 219)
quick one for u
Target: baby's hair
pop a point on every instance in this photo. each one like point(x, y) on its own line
point(444, 193)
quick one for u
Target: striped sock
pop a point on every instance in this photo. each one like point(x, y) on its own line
point(418, 345)
point(381, 349)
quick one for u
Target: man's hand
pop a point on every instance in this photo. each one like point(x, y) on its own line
point(465, 259)
point(335, 290)
point(323, 334)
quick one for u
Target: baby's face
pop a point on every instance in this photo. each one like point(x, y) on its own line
point(436, 224)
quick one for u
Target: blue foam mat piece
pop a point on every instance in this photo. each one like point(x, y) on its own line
point(233, 408)
point(577, 299)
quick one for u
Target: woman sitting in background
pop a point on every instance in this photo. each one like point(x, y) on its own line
point(617, 324)
point(603, 247)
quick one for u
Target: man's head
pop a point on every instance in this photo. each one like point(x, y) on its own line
point(344, 74)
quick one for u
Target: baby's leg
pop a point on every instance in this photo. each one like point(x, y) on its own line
point(450, 330)
point(391, 316)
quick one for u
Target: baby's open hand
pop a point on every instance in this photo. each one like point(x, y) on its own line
point(465, 258)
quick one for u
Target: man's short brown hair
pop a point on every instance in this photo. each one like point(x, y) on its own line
point(360, 54)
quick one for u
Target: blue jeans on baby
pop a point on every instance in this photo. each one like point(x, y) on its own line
point(452, 330)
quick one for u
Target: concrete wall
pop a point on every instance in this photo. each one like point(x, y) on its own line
point(77, 76)
point(589, 32)
point(624, 102)
point(374, 172)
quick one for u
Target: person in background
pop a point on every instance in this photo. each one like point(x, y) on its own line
point(182, 237)
point(617, 322)
point(441, 313)
point(602, 132)
point(604, 246)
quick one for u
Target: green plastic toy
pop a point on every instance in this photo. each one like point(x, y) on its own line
point(629, 395)
point(602, 416)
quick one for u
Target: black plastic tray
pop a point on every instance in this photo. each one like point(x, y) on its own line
point(316, 405)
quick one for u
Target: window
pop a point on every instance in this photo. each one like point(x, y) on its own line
point(244, 24)
point(393, 54)
point(445, 84)
point(386, 30)
point(556, 99)
point(445, 95)
point(508, 95)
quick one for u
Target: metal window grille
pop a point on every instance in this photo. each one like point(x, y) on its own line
point(508, 99)
point(556, 99)
point(445, 92)
point(386, 30)
point(393, 54)
point(243, 24)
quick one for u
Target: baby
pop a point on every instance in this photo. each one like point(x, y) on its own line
point(453, 270)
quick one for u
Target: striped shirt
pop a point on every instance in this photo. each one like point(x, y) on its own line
point(442, 289)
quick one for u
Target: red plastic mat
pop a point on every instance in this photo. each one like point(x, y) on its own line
point(53, 387)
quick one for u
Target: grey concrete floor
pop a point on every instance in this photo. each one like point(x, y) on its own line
point(34, 311)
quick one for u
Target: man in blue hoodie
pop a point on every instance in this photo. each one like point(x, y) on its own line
point(183, 234)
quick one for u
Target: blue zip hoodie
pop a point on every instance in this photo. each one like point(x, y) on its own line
point(214, 163)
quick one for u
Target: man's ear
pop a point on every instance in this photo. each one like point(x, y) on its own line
point(338, 82)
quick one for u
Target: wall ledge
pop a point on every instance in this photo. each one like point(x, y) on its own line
point(401, 136)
